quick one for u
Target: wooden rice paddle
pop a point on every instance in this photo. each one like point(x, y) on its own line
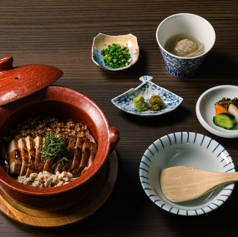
point(181, 183)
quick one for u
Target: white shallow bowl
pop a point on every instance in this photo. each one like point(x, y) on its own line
point(185, 149)
point(147, 89)
point(205, 109)
point(101, 41)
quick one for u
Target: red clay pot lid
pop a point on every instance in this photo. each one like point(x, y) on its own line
point(21, 81)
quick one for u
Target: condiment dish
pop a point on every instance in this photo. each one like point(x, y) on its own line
point(101, 41)
point(185, 149)
point(205, 109)
point(147, 89)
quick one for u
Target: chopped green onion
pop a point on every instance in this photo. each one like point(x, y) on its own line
point(116, 56)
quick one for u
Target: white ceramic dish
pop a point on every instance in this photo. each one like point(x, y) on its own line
point(147, 89)
point(101, 41)
point(205, 109)
point(185, 149)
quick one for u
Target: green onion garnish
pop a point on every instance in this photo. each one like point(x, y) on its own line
point(54, 149)
point(116, 56)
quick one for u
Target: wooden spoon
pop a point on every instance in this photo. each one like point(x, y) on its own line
point(182, 183)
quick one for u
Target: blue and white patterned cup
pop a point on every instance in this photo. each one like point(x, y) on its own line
point(190, 24)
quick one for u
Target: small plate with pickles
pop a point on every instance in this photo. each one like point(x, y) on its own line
point(147, 89)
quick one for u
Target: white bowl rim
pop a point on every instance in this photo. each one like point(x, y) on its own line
point(226, 133)
point(167, 207)
point(114, 35)
point(172, 55)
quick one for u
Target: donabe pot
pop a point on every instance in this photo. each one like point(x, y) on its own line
point(64, 104)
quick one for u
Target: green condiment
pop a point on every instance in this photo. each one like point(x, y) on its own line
point(156, 103)
point(116, 56)
point(140, 104)
point(54, 149)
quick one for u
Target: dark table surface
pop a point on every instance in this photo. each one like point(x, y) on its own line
point(60, 33)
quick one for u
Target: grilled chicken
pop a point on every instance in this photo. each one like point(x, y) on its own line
point(93, 152)
point(70, 152)
point(58, 168)
point(49, 166)
point(39, 163)
point(77, 155)
point(30, 144)
point(23, 156)
point(14, 157)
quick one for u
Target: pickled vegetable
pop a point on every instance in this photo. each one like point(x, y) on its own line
point(220, 109)
point(234, 111)
point(225, 102)
point(225, 120)
point(140, 104)
point(156, 103)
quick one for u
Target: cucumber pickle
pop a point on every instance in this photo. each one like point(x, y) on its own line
point(225, 120)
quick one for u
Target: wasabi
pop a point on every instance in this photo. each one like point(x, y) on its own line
point(140, 104)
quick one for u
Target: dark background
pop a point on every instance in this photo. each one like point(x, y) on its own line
point(60, 33)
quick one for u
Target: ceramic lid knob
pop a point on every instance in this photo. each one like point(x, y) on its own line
point(6, 63)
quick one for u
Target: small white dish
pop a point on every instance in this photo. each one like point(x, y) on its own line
point(205, 109)
point(185, 149)
point(147, 89)
point(101, 41)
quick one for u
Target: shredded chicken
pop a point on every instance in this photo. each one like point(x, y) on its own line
point(46, 179)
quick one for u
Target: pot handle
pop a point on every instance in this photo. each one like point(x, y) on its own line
point(114, 138)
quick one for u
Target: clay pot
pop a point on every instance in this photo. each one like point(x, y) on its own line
point(64, 104)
